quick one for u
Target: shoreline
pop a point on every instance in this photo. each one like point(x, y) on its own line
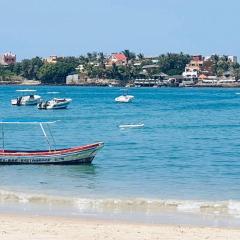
point(233, 86)
point(208, 213)
point(21, 227)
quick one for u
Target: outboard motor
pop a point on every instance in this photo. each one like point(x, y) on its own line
point(41, 105)
point(19, 101)
point(45, 105)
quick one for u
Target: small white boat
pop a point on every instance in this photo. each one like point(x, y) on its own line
point(55, 103)
point(26, 100)
point(124, 99)
point(140, 125)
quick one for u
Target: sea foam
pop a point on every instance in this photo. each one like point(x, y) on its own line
point(117, 205)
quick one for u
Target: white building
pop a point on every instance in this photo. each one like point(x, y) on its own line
point(8, 58)
point(193, 67)
point(232, 59)
point(72, 79)
point(190, 73)
point(80, 68)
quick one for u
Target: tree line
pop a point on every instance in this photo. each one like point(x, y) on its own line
point(95, 66)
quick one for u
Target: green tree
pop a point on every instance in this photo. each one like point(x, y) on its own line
point(55, 73)
point(101, 59)
point(173, 63)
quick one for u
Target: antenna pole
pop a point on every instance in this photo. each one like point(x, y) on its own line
point(45, 135)
point(50, 131)
point(3, 143)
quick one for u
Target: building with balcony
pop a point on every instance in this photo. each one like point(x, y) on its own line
point(194, 67)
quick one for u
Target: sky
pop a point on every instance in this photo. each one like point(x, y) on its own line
point(74, 27)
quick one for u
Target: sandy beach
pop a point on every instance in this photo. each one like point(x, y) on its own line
point(22, 227)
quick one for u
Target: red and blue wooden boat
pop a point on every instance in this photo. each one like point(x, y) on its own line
point(75, 155)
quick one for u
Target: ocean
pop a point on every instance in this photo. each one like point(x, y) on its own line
point(182, 167)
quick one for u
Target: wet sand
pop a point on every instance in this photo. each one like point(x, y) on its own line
point(24, 227)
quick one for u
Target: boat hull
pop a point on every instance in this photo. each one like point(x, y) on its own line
point(77, 155)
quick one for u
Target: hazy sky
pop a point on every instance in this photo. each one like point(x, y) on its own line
point(73, 27)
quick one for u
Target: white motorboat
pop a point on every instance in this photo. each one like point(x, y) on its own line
point(26, 100)
point(124, 99)
point(55, 103)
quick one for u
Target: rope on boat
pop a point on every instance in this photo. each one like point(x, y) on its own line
point(50, 131)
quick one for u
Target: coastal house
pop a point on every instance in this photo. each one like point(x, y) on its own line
point(152, 59)
point(194, 67)
point(76, 79)
point(150, 69)
point(80, 68)
point(51, 59)
point(7, 58)
point(232, 59)
point(144, 80)
point(117, 58)
point(207, 80)
point(72, 79)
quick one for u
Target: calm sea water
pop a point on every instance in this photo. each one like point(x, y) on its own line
point(186, 157)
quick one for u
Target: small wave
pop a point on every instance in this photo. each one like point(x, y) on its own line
point(238, 93)
point(189, 207)
point(234, 208)
point(52, 92)
point(152, 206)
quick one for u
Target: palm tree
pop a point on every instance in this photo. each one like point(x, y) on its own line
point(129, 55)
point(140, 56)
point(101, 59)
point(89, 56)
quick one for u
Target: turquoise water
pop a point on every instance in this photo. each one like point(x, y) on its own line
point(186, 158)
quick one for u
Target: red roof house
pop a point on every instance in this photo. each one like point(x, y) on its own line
point(118, 59)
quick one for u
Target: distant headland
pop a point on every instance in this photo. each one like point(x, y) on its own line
point(124, 68)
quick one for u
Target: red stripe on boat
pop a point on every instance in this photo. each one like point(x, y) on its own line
point(52, 152)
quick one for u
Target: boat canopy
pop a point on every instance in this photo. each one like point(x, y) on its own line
point(30, 122)
point(26, 122)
